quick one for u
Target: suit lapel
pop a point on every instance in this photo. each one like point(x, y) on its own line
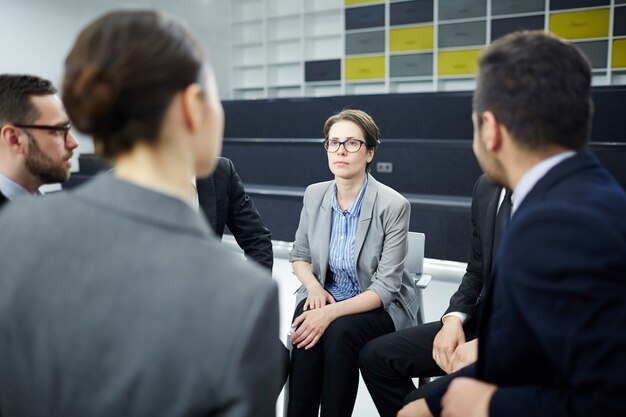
point(208, 200)
point(325, 219)
point(365, 215)
point(488, 230)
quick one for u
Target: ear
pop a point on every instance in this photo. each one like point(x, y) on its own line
point(491, 133)
point(10, 138)
point(193, 107)
point(370, 154)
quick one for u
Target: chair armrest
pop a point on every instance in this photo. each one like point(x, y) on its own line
point(422, 281)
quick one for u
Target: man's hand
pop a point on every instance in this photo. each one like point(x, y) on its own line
point(446, 341)
point(467, 397)
point(464, 354)
point(417, 408)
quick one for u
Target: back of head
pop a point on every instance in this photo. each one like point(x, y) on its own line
point(122, 73)
point(539, 87)
point(16, 91)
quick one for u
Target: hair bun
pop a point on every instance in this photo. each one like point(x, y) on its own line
point(89, 97)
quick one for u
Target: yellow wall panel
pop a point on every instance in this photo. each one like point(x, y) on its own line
point(619, 53)
point(578, 25)
point(365, 68)
point(458, 62)
point(353, 2)
point(411, 39)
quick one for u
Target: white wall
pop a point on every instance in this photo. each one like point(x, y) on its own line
point(36, 35)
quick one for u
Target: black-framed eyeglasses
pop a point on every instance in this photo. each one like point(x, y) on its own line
point(350, 145)
point(63, 129)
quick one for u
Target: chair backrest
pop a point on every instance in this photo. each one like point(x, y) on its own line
point(415, 257)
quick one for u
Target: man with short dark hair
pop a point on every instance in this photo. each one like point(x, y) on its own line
point(35, 139)
point(552, 340)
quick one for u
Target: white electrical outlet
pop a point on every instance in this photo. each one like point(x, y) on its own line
point(384, 167)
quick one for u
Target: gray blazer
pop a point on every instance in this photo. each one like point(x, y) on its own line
point(380, 251)
point(116, 300)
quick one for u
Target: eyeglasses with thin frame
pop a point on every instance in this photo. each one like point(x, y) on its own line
point(63, 129)
point(350, 145)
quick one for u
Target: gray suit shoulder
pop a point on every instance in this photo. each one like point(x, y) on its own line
point(318, 188)
point(391, 197)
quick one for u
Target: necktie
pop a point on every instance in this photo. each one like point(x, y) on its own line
point(502, 218)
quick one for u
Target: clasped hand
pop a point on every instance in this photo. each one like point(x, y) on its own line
point(450, 351)
point(313, 322)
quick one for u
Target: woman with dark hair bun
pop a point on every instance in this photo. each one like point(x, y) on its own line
point(126, 303)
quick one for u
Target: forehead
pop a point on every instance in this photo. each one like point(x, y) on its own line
point(345, 129)
point(50, 108)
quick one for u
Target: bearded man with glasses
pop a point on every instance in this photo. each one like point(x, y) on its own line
point(35, 139)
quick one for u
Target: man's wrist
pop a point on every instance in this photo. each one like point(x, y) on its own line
point(463, 317)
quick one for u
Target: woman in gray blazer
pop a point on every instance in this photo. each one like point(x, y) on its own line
point(126, 302)
point(349, 254)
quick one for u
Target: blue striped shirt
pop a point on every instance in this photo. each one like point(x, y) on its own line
point(342, 282)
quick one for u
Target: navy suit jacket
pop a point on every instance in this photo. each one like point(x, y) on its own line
point(224, 202)
point(553, 331)
point(468, 297)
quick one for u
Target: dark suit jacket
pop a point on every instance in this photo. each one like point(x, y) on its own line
point(224, 202)
point(552, 336)
point(468, 297)
point(125, 304)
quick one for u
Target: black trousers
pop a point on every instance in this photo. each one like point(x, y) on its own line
point(388, 364)
point(328, 373)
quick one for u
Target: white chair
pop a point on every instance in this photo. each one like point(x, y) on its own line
point(415, 265)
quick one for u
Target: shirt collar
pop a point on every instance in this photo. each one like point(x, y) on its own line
point(533, 175)
point(10, 188)
point(355, 207)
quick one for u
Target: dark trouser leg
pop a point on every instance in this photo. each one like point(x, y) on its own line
point(305, 378)
point(328, 372)
point(285, 361)
point(423, 391)
point(388, 363)
point(342, 342)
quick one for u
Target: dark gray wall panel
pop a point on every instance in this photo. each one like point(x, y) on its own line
point(327, 70)
point(619, 21)
point(500, 27)
point(571, 4)
point(365, 17)
point(407, 12)
point(461, 9)
point(499, 7)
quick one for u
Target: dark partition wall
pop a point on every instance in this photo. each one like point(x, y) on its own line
point(427, 138)
point(399, 116)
